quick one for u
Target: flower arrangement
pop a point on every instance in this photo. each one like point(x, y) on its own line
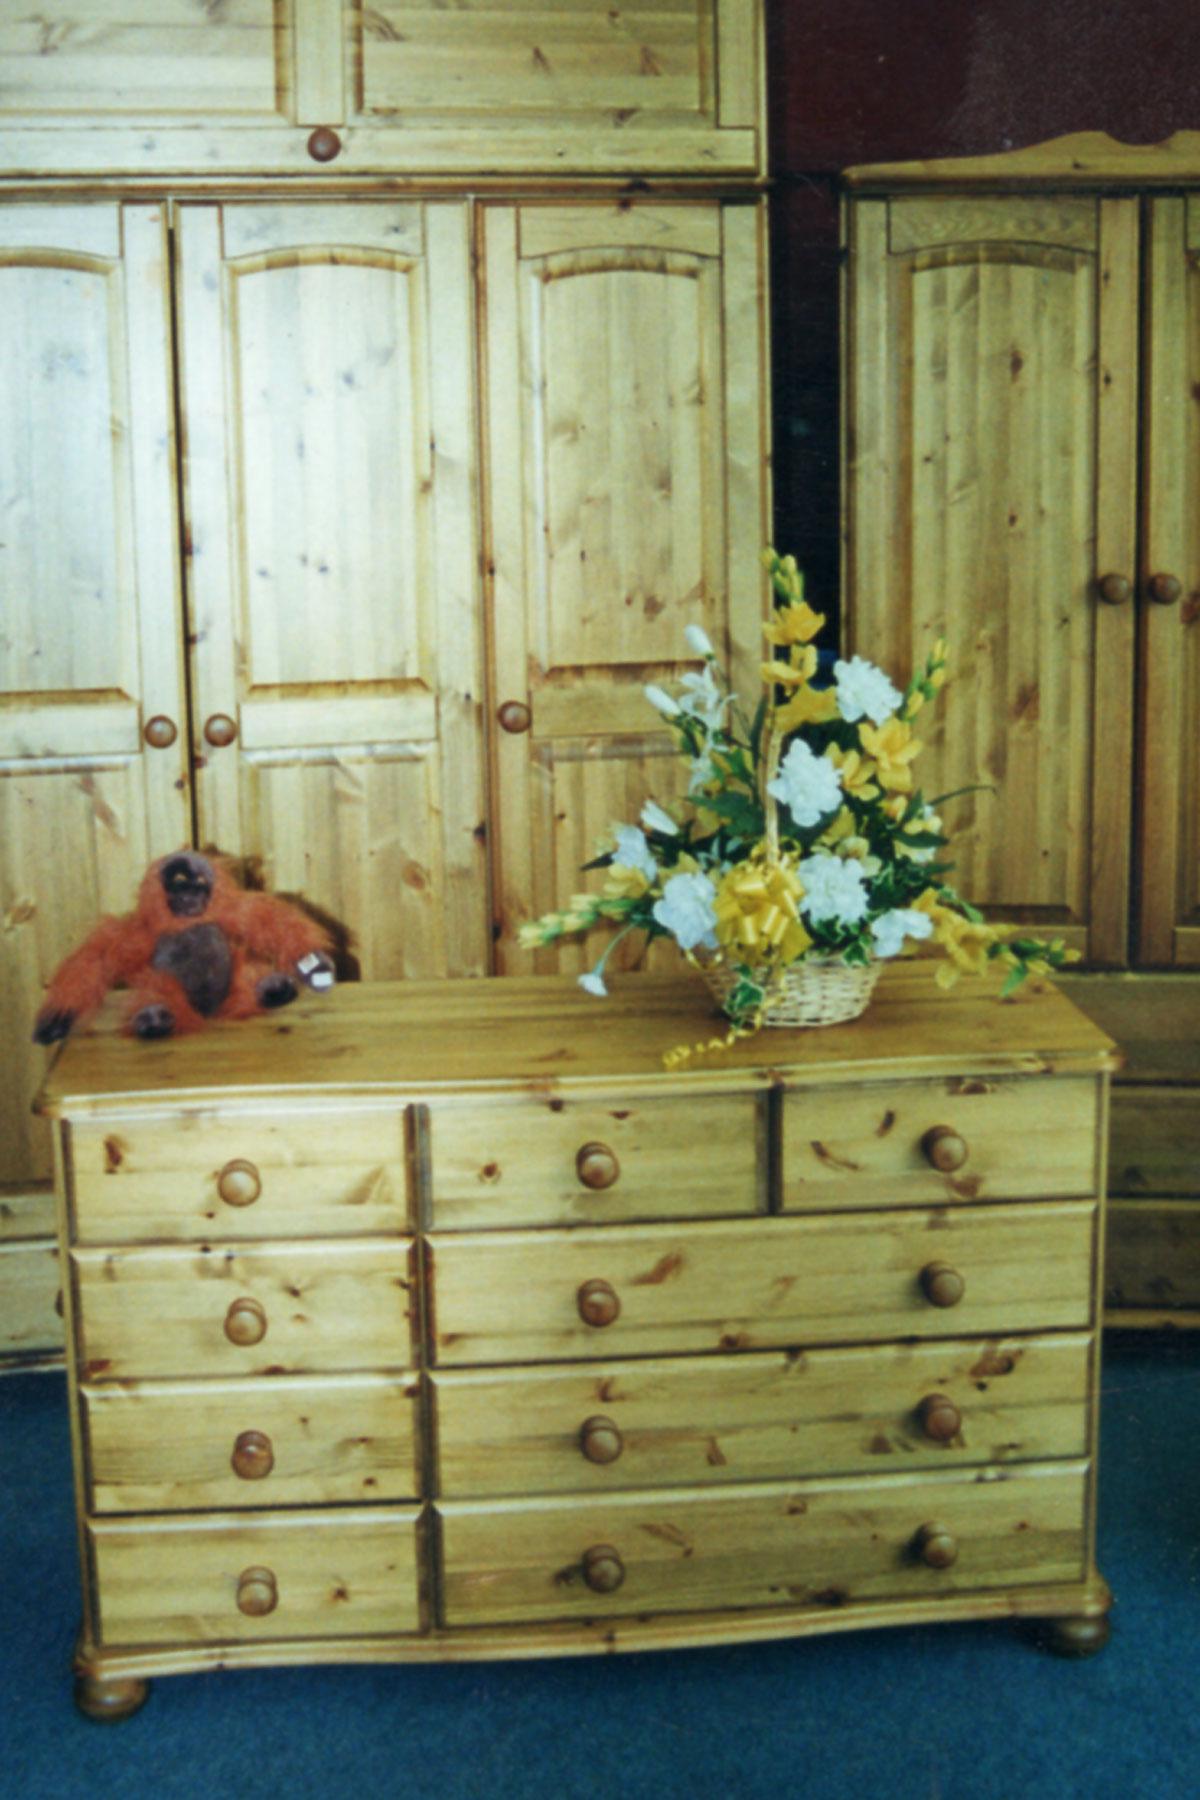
point(803, 841)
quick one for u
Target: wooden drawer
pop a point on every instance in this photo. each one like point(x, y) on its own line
point(756, 1284)
point(1152, 1262)
point(880, 1145)
point(29, 1284)
point(206, 1173)
point(1154, 1145)
point(329, 1574)
point(179, 1446)
point(562, 1161)
point(318, 1307)
point(823, 1544)
point(761, 1417)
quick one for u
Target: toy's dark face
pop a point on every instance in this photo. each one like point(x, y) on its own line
point(187, 882)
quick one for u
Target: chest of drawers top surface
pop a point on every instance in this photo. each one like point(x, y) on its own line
point(542, 1034)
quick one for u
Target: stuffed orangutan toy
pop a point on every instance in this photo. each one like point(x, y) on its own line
point(196, 947)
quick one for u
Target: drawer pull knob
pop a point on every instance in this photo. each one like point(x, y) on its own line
point(944, 1148)
point(515, 717)
point(1114, 590)
point(941, 1284)
point(246, 1322)
point(323, 144)
point(600, 1440)
point(239, 1183)
point(253, 1455)
point(220, 730)
point(598, 1303)
point(940, 1418)
point(1164, 590)
point(596, 1166)
point(257, 1593)
point(160, 732)
point(935, 1546)
point(603, 1570)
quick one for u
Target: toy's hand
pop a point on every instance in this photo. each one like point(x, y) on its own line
point(316, 971)
point(52, 1026)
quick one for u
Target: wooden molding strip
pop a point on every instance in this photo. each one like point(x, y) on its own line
point(1081, 159)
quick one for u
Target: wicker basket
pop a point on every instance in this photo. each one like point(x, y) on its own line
point(822, 990)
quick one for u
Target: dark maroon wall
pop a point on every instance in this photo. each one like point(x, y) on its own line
point(854, 81)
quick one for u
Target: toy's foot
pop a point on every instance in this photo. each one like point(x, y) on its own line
point(153, 1022)
point(108, 1701)
point(52, 1027)
point(276, 990)
point(1078, 1637)
point(316, 970)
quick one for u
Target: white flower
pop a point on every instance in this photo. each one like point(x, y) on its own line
point(687, 910)
point(702, 773)
point(891, 928)
point(655, 819)
point(808, 784)
point(860, 850)
point(702, 698)
point(593, 983)
point(699, 640)
point(862, 688)
point(834, 889)
point(662, 700)
point(633, 852)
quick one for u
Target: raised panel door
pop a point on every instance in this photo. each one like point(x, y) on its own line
point(329, 476)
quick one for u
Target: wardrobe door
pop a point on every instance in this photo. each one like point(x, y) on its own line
point(625, 439)
point(329, 491)
point(991, 466)
point(93, 768)
point(1169, 767)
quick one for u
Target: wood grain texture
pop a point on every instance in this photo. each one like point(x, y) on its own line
point(29, 1284)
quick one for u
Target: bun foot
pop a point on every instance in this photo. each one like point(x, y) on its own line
point(110, 1699)
point(1081, 1636)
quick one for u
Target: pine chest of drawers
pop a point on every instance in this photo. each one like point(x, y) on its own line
point(439, 1321)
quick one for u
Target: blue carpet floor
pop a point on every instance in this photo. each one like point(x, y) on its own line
point(957, 1712)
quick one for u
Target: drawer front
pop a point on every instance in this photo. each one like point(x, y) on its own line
point(29, 1282)
point(1152, 1257)
point(760, 1417)
point(1154, 1146)
point(288, 1441)
point(208, 1173)
point(753, 1285)
point(250, 1311)
point(810, 1543)
point(916, 1143)
point(221, 1580)
point(561, 1161)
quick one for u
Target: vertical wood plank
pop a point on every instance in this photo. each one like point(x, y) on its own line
point(320, 58)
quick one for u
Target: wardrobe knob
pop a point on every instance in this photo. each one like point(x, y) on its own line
point(603, 1569)
point(220, 730)
point(515, 716)
point(940, 1418)
point(239, 1183)
point(941, 1284)
point(253, 1455)
point(324, 144)
point(598, 1303)
point(944, 1148)
point(600, 1440)
point(1114, 589)
point(935, 1546)
point(1164, 589)
point(160, 732)
point(257, 1592)
point(596, 1166)
point(246, 1322)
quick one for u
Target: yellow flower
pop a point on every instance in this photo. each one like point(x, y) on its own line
point(858, 772)
point(624, 883)
point(758, 912)
point(795, 623)
point(801, 667)
point(842, 826)
point(893, 746)
point(815, 706)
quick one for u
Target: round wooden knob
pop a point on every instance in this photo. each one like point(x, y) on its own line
point(596, 1166)
point(253, 1455)
point(603, 1569)
point(1114, 589)
point(935, 1546)
point(324, 144)
point(598, 1303)
point(257, 1592)
point(941, 1284)
point(220, 730)
point(940, 1418)
point(239, 1183)
point(246, 1322)
point(514, 715)
point(600, 1440)
point(1164, 589)
point(160, 732)
point(944, 1148)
